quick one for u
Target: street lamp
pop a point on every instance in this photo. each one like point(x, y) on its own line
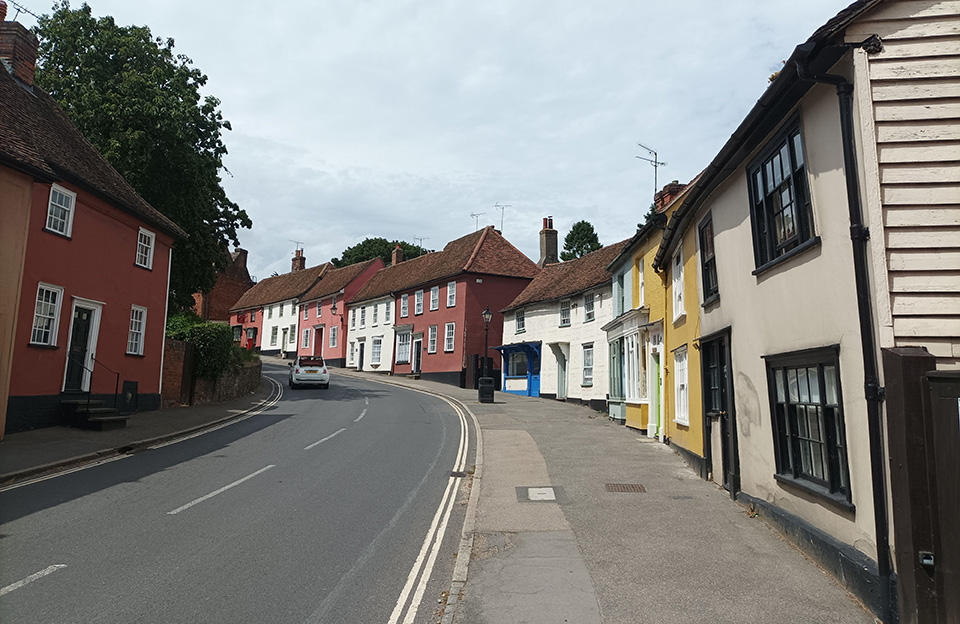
point(487, 317)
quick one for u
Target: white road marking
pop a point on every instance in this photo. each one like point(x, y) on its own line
point(362, 414)
point(31, 578)
point(428, 555)
point(220, 491)
point(366, 401)
point(307, 448)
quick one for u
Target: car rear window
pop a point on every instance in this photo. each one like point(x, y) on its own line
point(311, 361)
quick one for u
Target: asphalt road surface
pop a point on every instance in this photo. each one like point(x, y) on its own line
point(331, 506)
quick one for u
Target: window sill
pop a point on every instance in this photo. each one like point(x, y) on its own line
point(521, 331)
point(36, 345)
point(799, 249)
point(710, 301)
point(56, 233)
point(564, 325)
point(135, 355)
point(679, 318)
point(836, 500)
point(589, 320)
point(681, 423)
point(145, 268)
point(586, 385)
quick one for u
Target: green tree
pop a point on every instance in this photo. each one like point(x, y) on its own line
point(376, 247)
point(580, 240)
point(140, 105)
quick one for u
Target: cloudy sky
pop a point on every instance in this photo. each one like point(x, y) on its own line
point(401, 118)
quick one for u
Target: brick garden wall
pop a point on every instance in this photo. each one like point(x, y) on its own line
point(230, 385)
point(173, 361)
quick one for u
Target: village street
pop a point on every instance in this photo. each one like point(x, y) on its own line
point(313, 511)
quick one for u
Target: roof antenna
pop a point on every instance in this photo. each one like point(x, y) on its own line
point(421, 239)
point(476, 216)
point(500, 207)
point(656, 164)
point(299, 244)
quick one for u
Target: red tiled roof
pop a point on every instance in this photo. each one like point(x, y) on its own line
point(37, 137)
point(485, 251)
point(334, 280)
point(280, 288)
point(563, 279)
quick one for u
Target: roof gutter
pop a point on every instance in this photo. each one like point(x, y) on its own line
point(859, 234)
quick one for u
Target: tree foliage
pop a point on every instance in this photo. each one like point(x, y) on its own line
point(140, 105)
point(376, 248)
point(580, 240)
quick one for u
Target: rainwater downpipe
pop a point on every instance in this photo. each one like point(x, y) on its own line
point(859, 234)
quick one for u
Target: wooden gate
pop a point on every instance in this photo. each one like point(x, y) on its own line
point(923, 426)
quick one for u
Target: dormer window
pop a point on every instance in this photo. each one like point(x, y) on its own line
point(60, 210)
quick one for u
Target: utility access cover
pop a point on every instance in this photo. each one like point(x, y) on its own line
point(539, 494)
point(625, 487)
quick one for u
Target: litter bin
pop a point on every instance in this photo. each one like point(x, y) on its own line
point(485, 389)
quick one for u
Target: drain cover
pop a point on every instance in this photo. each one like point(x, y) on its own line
point(456, 473)
point(625, 487)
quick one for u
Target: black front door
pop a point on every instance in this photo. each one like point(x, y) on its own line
point(79, 345)
point(718, 398)
point(360, 358)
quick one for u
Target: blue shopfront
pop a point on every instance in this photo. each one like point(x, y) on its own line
point(521, 368)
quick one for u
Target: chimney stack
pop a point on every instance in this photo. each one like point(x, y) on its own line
point(548, 243)
point(667, 195)
point(240, 257)
point(299, 262)
point(18, 49)
point(397, 257)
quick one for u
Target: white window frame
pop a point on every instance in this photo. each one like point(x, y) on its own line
point(376, 308)
point(70, 210)
point(281, 311)
point(451, 294)
point(681, 388)
point(353, 347)
point(147, 262)
point(134, 337)
point(376, 349)
point(404, 341)
point(640, 299)
point(253, 316)
point(274, 331)
point(677, 283)
point(363, 316)
point(270, 312)
point(319, 309)
point(292, 335)
point(434, 297)
point(418, 302)
point(432, 339)
point(450, 330)
point(306, 313)
point(386, 310)
point(305, 340)
point(353, 318)
point(589, 312)
point(587, 368)
point(53, 319)
point(520, 321)
point(333, 336)
point(404, 306)
point(565, 318)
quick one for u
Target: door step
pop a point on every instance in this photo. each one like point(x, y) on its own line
point(93, 414)
point(413, 376)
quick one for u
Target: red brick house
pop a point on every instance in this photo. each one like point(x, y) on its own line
point(322, 316)
point(438, 300)
point(231, 283)
point(89, 263)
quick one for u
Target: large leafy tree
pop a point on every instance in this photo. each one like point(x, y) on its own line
point(376, 248)
point(140, 105)
point(580, 240)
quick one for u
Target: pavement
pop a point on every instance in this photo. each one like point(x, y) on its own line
point(548, 541)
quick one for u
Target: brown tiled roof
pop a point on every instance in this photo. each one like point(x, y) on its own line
point(37, 137)
point(281, 287)
point(563, 279)
point(485, 251)
point(336, 279)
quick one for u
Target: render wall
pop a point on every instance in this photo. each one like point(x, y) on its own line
point(285, 314)
point(368, 331)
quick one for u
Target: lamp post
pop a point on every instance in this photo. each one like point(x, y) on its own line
point(485, 390)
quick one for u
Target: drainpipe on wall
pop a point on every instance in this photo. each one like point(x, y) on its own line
point(859, 234)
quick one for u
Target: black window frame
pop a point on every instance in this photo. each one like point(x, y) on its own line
point(788, 436)
point(708, 265)
point(767, 249)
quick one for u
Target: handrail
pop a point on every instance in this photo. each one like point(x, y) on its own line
point(116, 387)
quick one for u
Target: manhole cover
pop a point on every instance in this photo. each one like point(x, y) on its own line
point(625, 487)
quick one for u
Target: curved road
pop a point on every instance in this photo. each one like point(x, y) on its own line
point(315, 510)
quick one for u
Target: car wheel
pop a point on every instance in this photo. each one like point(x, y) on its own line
point(293, 386)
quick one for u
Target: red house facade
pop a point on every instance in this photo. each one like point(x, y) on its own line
point(231, 283)
point(439, 299)
point(323, 309)
point(93, 288)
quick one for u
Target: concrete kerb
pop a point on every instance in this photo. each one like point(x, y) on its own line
point(11, 478)
point(465, 550)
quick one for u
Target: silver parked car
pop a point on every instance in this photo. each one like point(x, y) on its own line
point(309, 370)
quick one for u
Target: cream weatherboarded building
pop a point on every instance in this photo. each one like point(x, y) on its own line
point(828, 229)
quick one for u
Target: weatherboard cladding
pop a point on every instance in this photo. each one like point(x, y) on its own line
point(37, 137)
point(280, 288)
point(555, 281)
point(484, 251)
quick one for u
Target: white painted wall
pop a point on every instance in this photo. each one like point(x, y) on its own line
point(365, 333)
point(543, 325)
point(289, 317)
